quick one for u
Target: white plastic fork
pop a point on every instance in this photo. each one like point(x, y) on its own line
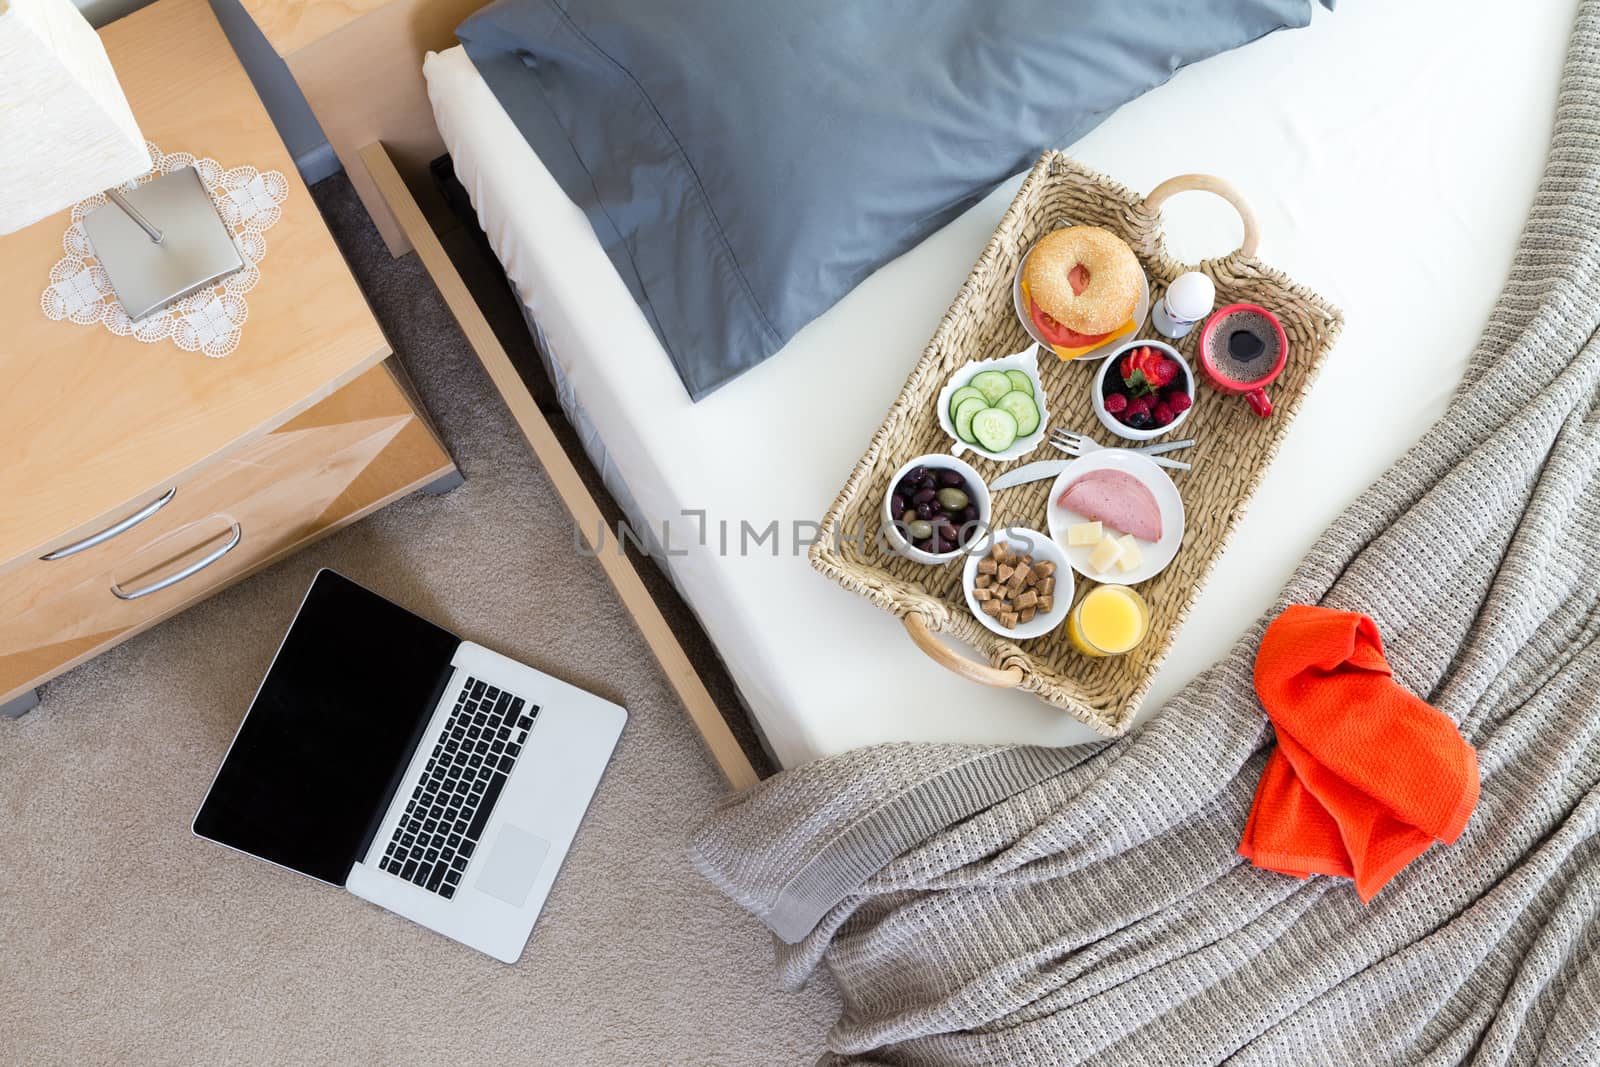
point(1077, 444)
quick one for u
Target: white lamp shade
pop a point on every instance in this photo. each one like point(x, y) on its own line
point(66, 131)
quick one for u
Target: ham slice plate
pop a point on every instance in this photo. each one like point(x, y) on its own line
point(1128, 493)
point(1117, 499)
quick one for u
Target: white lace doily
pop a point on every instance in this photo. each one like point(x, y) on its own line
point(207, 321)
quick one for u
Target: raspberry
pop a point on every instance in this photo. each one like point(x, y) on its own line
point(1161, 414)
point(1141, 403)
point(1116, 402)
point(1179, 403)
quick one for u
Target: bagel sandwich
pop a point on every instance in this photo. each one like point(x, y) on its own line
point(1081, 286)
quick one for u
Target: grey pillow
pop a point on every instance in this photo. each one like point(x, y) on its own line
point(746, 163)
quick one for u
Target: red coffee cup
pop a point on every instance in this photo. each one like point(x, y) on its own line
point(1242, 350)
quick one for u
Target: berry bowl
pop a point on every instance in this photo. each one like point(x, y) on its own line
point(1144, 390)
point(920, 490)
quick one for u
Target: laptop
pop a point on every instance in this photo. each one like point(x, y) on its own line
point(423, 773)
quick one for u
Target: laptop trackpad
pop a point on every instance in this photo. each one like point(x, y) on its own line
point(511, 868)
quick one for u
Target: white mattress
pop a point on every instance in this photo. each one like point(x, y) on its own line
point(1391, 153)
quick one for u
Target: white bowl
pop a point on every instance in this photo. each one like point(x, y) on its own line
point(1041, 548)
point(1026, 361)
point(1141, 311)
point(1154, 556)
point(976, 490)
point(1097, 397)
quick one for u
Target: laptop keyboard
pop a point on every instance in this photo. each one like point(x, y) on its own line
point(448, 810)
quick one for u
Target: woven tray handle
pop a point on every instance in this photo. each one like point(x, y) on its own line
point(947, 657)
point(1210, 183)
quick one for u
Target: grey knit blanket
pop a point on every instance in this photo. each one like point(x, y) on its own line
point(1017, 905)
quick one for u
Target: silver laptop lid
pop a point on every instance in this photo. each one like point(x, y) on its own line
point(331, 730)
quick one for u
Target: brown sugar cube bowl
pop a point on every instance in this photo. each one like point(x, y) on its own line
point(1049, 564)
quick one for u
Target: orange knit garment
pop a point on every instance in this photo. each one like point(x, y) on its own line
point(1366, 776)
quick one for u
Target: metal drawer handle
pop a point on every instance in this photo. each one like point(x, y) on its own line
point(111, 531)
point(188, 572)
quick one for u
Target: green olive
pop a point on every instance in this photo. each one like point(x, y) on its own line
point(953, 499)
point(909, 515)
point(919, 529)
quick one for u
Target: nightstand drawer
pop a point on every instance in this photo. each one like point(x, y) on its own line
point(341, 459)
point(37, 581)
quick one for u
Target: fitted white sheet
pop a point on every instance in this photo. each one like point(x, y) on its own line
point(1391, 153)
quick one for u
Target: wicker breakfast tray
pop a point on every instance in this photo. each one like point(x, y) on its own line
point(1234, 446)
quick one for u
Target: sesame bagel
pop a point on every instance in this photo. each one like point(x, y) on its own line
point(1109, 294)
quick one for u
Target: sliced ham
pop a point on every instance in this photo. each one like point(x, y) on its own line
point(1117, 499)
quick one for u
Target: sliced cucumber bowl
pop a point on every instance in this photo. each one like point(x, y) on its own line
point(995, 407)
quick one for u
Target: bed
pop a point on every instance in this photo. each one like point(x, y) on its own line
point(1388, 172)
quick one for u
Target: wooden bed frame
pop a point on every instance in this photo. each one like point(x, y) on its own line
point(685, 680)
point(359, 64)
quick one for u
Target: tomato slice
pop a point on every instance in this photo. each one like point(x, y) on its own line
point(1059, 335)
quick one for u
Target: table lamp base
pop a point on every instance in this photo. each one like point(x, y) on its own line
point(194, 248)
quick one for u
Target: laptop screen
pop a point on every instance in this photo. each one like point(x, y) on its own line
point(322, 748)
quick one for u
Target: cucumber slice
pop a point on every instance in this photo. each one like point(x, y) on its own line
point(1021, 383)
point(964, 416)
point(1023, 408)
point(992, 384)
point(994, 429)
point(962, 394)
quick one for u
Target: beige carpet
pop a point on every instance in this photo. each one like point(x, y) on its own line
point(125, 939)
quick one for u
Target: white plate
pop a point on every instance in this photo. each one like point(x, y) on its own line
point(1026, 361)
point(1040, 547)
point(1155, 556)
point(1141, 311)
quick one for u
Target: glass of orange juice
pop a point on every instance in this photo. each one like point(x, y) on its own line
point(1109, 621)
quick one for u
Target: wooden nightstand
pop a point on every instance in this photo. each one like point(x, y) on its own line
point(139, 478)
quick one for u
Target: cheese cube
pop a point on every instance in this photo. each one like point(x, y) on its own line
point(1105, 555)
point(1083, 535)
point(1131, 556)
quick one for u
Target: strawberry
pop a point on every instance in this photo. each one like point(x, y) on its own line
point(1133, 375)
point(1158, 370)
point(1161, 371)
point(1145, 370)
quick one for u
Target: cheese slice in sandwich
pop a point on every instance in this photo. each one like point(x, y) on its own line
point(1066, 353)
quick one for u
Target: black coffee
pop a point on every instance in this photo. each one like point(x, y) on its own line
point(1245, 346)
point(1248, 349)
